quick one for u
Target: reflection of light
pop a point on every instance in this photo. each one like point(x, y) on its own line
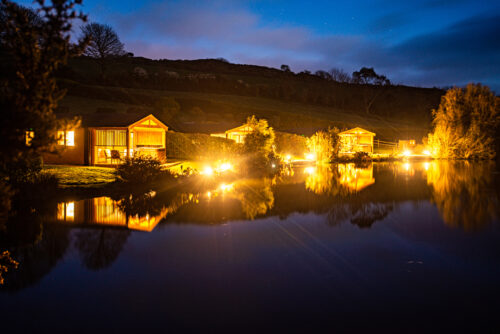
point(407, 166)
point(226, 187)
point(310, 156)
point(426, 165)
point(288, 157)
point(309, 170)
point(208, 171)
point(273, 165)
point(427, 152)
point(209, 194)
point(407, 153)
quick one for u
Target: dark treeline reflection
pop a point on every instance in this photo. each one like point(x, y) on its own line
point(39, 235)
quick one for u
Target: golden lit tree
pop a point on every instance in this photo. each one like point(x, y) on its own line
point(466, 124)
point(324, 144)
point(259, 144)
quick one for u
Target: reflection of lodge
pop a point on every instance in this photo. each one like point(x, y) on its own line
point(105, 211)
point(355, 178)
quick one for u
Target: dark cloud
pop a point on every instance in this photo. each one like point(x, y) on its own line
point(466, 51)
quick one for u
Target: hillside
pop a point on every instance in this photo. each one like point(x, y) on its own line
point(213, 95)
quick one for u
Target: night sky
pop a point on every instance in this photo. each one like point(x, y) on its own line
point(424, 43)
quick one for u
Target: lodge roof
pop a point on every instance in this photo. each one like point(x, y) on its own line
point(356, 130)
point(105, 119)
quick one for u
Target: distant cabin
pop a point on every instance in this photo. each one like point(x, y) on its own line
point(106, 139)
point(237, 134)
point(404, 145)
point(356, 140)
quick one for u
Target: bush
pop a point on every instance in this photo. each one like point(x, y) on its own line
point(360, 157)
point(140, 170)
point(196, 146)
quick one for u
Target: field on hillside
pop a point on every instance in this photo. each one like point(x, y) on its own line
point(217, 112)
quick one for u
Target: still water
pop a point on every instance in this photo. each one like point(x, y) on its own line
point(403, 247)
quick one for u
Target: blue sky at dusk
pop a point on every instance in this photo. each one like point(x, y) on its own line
point(423, 43)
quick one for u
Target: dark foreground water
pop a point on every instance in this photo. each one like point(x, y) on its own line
point(379, 248)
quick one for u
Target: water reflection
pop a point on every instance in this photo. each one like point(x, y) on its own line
point(466, 193)
point(140, 212)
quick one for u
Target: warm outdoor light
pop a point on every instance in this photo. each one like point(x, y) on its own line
point(226, 187)
point(288, 157)
point(208, 171)
point(310, 156)
point(309, 170)
point(225, 166)
point(427, 152)
point(407, 153)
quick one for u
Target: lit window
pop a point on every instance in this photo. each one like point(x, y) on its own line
point(66, 138)
point(60, 137)
point(70, 210)
point(29, 137)
point(70, 138)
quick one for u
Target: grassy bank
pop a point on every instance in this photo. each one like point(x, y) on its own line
point(81, 176)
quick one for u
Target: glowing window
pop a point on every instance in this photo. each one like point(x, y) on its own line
point(70, 138)
point(29, 137)
point(70, 211)
point(60, 137)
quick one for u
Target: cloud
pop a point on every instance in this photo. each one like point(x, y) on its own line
point(464, 51)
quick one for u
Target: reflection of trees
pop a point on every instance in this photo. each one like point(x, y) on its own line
point(36, 247)
point(99, 248)
point(141, 204)
point(361, 214)
point(255, 195)
point(366, 214)
point(324, 180)
point(464, 192)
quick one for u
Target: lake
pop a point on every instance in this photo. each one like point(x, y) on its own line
point(398, 247)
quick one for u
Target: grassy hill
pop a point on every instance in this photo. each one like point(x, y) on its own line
point(213, 95)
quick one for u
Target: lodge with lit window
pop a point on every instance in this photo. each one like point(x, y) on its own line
point(106, 139)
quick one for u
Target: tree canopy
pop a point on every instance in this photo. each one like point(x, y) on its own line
point(368, 76)
point(104, 43)
point(466, 124)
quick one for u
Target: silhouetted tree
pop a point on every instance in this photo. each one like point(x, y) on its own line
point(38, 43)
point(104, 43)
point(323, 75)
point(285, 68)
point(339, 75)
point(368, 76)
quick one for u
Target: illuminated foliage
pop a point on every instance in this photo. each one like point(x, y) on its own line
point(6, 262)
point(466, 124)
point(259, 144)
point(256, 196)
point(325, 144)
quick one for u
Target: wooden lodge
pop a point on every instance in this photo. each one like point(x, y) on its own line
point(237, 134)
point(356, 140)
point(106, 139)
